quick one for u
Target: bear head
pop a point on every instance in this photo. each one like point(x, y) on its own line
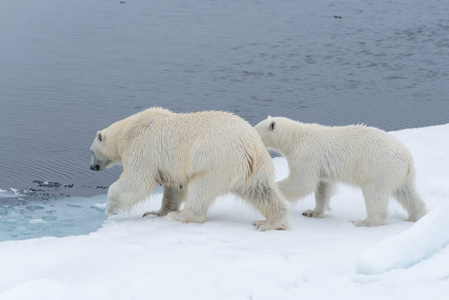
point(272, 132)
point(104, 151)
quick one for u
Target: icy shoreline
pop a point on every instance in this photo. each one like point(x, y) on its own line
point(132, 257)
point(23, 217)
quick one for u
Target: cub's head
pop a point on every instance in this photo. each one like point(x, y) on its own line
point(272, 133)
point(102, 157)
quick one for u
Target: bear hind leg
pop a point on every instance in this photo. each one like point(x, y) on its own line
point(268, 200)
point(376, 201)
point(411, 201)
point(323, 193)
point(200, 195)
point(174, 195)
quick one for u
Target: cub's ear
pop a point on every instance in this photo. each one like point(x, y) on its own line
point(272, 126)
point(100, 136)
point(269, 117)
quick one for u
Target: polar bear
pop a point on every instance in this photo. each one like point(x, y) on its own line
point(367, 157)
point(196, 157)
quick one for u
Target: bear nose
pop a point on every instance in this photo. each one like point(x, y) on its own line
point(95, 168)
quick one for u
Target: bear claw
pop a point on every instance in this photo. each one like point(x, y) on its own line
point(310, 213)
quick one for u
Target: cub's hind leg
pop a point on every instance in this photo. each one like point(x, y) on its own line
point(376, 201)
point(411, 201)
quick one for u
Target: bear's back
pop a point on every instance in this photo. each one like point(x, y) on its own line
point(357, 153)
point(198, 141)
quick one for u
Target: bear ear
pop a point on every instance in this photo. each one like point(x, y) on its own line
point(269, 117)
point(100, 136)
point(272, 126)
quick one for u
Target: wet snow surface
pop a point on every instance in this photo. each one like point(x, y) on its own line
point(131, 257)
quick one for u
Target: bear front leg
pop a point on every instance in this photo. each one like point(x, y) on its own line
point(113, 200)
point(323, 193)
point(126, 192)
point(174, 195)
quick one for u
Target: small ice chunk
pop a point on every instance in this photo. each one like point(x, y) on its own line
point(16, 191)
point(100, 205)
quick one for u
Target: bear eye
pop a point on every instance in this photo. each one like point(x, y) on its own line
point(99, 137)
point(272, 126)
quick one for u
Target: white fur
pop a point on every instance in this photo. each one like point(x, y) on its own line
point(196, 158)
point(367, 157)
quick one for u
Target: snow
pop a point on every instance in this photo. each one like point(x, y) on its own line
point(410, 247)
point(131, 257)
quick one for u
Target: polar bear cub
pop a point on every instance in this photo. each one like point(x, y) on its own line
point(196, 157)
point(319, 156)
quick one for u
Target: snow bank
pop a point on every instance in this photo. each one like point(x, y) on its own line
point(421, 241)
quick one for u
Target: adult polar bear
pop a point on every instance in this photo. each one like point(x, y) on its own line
point(318, 156)
point(196, 157)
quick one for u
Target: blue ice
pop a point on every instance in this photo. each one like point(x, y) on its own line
point(22, 218)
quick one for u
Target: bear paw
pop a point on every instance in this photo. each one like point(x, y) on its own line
point(157, 213)
point(311, 213)
point(182, 216)
point(264, 225)
point(111, 209)
point(415, 217)
point(366, 223)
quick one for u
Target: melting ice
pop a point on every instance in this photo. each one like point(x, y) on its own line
point(23, 216)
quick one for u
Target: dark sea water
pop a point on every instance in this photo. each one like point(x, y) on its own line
point(71, 68)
